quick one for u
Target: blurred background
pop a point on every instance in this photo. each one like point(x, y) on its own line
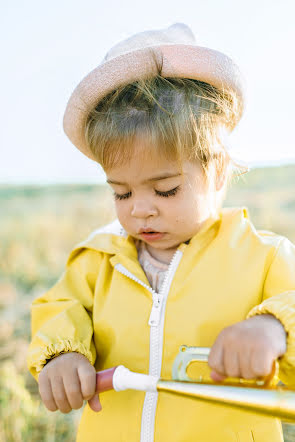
point(52, 196)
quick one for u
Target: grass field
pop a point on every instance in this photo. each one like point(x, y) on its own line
point(38, 227)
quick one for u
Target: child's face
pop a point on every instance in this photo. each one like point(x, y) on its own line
point(141, 202)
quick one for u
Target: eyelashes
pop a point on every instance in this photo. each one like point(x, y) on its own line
point(166, 194)
point(121, 197)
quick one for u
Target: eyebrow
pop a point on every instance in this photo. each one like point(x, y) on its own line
point(156, 178)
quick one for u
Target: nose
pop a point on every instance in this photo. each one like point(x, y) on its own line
point(143, 209)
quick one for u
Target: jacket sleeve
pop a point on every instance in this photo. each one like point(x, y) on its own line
point(61, 319)
point(279, 300)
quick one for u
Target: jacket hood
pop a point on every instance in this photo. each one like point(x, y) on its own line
point(113, 238)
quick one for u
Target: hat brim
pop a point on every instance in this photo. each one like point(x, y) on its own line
point(179, 61)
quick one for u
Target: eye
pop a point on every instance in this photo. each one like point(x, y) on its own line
point(121, 197)
point(169, 192)
point(164, 194)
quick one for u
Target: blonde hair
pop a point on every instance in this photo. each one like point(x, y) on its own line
point(182, 118)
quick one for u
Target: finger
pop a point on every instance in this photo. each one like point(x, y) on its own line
point(87, 377)
point(245, 364)
point(94, 403)
point(73, 390)
point(215, 358)
point(216, 376)
point(261, 363)
point(231, 363)
point(46, 394)
point(59, 394)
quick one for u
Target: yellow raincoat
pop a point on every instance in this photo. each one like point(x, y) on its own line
point(104, 307)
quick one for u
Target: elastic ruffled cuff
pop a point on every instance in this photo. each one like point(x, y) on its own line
point(284, 311)
point(54, 350)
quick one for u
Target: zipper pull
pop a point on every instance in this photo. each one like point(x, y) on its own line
point(156, 311)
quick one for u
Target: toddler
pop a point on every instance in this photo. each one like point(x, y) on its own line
point(174, 267)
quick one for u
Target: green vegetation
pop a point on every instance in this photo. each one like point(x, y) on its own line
point(38, 227)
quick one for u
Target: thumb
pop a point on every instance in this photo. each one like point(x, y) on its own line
point(94, 403)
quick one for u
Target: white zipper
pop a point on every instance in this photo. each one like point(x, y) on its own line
point(126, 272)
point(155, 315)
point(156, 321)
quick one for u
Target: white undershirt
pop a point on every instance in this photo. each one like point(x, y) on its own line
point(154, 269)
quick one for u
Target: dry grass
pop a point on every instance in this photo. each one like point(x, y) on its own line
point(38, 227)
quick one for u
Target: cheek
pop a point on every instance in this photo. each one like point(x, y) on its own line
point(188, 210)
point(180, 213)
point(122, 211)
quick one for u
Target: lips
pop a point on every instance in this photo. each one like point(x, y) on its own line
point(147, 230)
point(152, 236)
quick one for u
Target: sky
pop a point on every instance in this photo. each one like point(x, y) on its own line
point(48, 47)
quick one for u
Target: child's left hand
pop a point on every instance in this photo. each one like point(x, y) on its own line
point(248, 348)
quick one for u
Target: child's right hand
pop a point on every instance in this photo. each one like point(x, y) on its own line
point(66, 381)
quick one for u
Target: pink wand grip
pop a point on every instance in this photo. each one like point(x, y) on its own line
point(104, 380)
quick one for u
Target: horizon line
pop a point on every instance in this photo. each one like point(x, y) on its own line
point(268, 164)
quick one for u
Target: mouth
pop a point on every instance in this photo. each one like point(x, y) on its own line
point(147, 230)
point(150, 236)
